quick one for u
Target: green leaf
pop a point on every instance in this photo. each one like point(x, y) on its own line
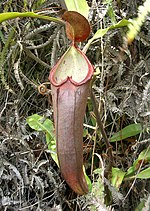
point(11, 15)
point(130, 130)
point(140, 206)
point(97, 171)
point(145, 156)
point(51, 143)
point(135, 27)
point(117, 177)
point(89, 183)
point(130, 172)
point(110, 10)
point(145, 174)
point(120, 24)
point(101, 32)
point(79, 6)
point(38, 123)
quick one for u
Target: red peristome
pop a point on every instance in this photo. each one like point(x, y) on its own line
point(87, 78)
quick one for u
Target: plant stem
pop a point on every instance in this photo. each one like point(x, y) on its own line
point(101, 127)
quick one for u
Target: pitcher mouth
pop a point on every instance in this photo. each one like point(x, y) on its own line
point(73, 66)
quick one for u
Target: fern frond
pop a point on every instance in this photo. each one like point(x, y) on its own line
point(3, 56)
point(136, 23)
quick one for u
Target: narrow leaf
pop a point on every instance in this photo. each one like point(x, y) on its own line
point(2, 37)
point(120, 24)
point(130, 171)
point(101, 32)
point(130, 130)
point(11, 15)
point(143, 156)
point(89, 183)
point(145, 174)
point(51, 143)
point(79, 6)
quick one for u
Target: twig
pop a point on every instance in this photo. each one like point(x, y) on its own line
point(36, 31)
point(6, 103)
point(38, 60)
point(94, 145)
point(100, 124)
point(50, 39)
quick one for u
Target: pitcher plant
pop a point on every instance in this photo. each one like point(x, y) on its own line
point(70, 82)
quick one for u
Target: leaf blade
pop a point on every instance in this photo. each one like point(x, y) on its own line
point(78, 6)
point(144, 156)
point(101, 32)
point(128, 131)
point(117, 177)
point(11, 15)
point(120, 24)
point(36, 122)
point(145, 174)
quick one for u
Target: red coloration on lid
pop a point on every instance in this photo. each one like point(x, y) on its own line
point(77, 26)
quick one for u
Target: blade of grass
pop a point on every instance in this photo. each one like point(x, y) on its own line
point(128, 131)
point(11, 15)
